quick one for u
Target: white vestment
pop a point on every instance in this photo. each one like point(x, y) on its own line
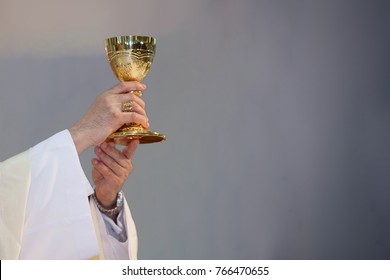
point(46, 212)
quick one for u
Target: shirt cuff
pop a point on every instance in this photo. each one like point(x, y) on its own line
point(116, 230)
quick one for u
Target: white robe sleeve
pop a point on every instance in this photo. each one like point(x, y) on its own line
point(58, 222)
point(14, 188)
point(45, 212)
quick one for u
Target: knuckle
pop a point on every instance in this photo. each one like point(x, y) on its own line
point(128, 165)
point(124, 176)
point(142, 103)
point(116, 114)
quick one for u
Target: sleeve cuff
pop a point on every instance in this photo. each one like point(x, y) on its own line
point(116, 230)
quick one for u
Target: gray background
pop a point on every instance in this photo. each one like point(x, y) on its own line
point(276, 115)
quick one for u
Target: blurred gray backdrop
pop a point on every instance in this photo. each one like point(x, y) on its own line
point(276, 113)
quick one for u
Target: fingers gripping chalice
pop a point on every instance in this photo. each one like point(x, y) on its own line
point(130, 58)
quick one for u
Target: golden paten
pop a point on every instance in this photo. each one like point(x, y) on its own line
point(130, 58)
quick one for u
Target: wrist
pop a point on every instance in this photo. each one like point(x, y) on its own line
point(114, 208)
point(80, 139)
point(106, 199)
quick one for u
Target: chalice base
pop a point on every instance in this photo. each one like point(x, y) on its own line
point(145, 137)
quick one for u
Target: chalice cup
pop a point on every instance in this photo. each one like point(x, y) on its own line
point(130, 58)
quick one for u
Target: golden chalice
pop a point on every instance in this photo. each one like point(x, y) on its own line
point(130, 58)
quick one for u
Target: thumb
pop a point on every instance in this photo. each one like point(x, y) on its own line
point(129, 150)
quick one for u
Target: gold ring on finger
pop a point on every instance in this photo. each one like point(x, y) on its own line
point(127, 107)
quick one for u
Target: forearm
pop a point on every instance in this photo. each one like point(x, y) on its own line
point(83, 135)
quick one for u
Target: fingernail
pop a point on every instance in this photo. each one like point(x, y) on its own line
point(98, 150)
point(104, 145)
point(143, 86)
point(94, 161)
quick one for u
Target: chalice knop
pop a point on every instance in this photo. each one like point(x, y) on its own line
point(130, 58)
